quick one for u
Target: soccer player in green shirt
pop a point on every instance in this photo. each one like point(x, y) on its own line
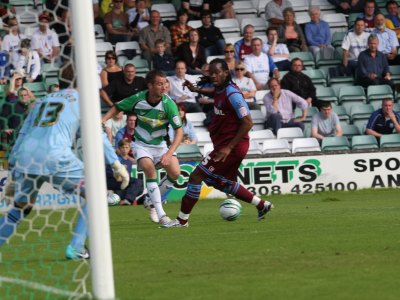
point(155, 110)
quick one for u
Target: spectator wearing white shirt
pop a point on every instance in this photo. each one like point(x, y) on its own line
point(26, 62)
point(45, 41)
point(355, 41)
point(274, 11)
point(246, 85)
point(259, 65)
point(279, 52)
point(12, 40)
point(180, 93)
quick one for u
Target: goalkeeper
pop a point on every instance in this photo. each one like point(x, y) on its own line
point(43, 153)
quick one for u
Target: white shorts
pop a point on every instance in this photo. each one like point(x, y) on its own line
point(154, 152)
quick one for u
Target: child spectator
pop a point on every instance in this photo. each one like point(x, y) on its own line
point(162, 60)
point(135, 187)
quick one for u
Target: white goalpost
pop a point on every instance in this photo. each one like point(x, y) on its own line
point(99, 229)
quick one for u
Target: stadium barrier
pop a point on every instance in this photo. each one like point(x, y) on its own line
point(275, 175)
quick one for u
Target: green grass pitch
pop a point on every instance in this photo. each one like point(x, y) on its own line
point(336, 245)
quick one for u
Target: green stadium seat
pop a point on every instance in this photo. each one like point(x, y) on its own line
point(335, 143)
point(37, 88)
point(306, 57)
point(375, 94)
point(326, 94)
point(310, 112)
point(141, 66)
point(317, 76)
point(349, 95)
point(364, 142)
point(334, 61)
point(341, 113)
point(337, 38)
point(50, 70)
point(188, 151)
point(395, 73)
point(360, 114)
point(350, 130)
point(390, 141)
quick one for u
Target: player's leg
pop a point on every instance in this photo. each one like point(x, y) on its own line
point(173, 171)
point(26, 190)
point(147, 165)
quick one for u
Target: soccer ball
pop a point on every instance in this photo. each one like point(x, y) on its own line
point(230, 210)
point(113, 199)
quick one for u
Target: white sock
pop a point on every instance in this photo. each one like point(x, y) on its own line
point(165, 185)
point(155, 196)
point(255, 201)
point(183, 216)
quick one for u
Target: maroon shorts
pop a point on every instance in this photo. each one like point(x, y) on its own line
point(227, 169)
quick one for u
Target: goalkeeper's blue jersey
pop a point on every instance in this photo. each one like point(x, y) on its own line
point(44, 145)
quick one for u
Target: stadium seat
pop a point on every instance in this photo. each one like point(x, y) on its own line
point(335, 143)
point(337, 38)
point(337, 22)
point(305, 145)
point(317, 76)
point(99, 33)
point(50, 70)
point(258, 118)
point(167, 11)
point(245, 9)
point(326, 94)
point(27, 16)
point(360, 113)
point(350, 130)
point(289, 133)
point(324, 6)
point(203, 138)
point(275, 146)
point(311, 110)
point(300, 5)
point(196, 119)
point(50, 81)
point(141, 66)
point(195, 23)
point(261, 8)
point(359, 142)
point(260, 96)
point(302, 17)
point(207, 148)
point(395, 73)
point(121, 46)
point(375, 94)
point(333, 61)
point(306, 57)
point(37, 88)
point(228, 27)
point(341, 113)
point(232, 40)
point(29, 30)
point(188, 151)
point(260, 26)
point(254, 148)
point(349, 95)
point(102, 48)
point(352, 19)
point(211, 57)
point(390, 141)
point(261, 135)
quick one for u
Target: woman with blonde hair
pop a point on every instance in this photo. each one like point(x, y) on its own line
point(246, 85)
point(229, 51)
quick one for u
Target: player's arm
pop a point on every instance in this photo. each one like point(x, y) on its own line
point(111, 113)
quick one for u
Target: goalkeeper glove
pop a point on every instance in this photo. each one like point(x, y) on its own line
point(9, 190)
point(120, 174)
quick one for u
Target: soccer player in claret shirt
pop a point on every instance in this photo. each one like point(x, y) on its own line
point(229, 134)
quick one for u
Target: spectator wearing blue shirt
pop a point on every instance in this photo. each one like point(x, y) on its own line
point(318, 33)
point(384, 120)
point(388, 42)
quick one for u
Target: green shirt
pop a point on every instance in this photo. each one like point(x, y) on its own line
point(152, 119)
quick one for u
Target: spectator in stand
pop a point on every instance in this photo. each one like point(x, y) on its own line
point(205, 101)
point(14, 114)
point(26, 62)
point(348, 6)
point(222, 9)
point(195, 7)
point(117, 24)
point(370, 10)
point(126, 133)
point(148, 36)
point(122, 88)
point(179, 92)
point(16, 83)
point(139, 16)
point(211, 37)
point(259, 65)
point(372, 66)
point(229, 51)
point(393, 17)
point(274, 11)
point(135, 186)
point(113, 125)
point(45, 41)
point(180, 30)
point(112, 71)
point(300, 84)
point(318, 33)
point(277, 51)
point(290, 33)
point(243, 46)
point(353, 44)
point(63, 27)
point(388, 41)
point(384, 120)
point(189, 133)
point(280, 105)
point(192, 53)
point(163, 61)
point(246, 85)
point(325, 122)
point(11, 41)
